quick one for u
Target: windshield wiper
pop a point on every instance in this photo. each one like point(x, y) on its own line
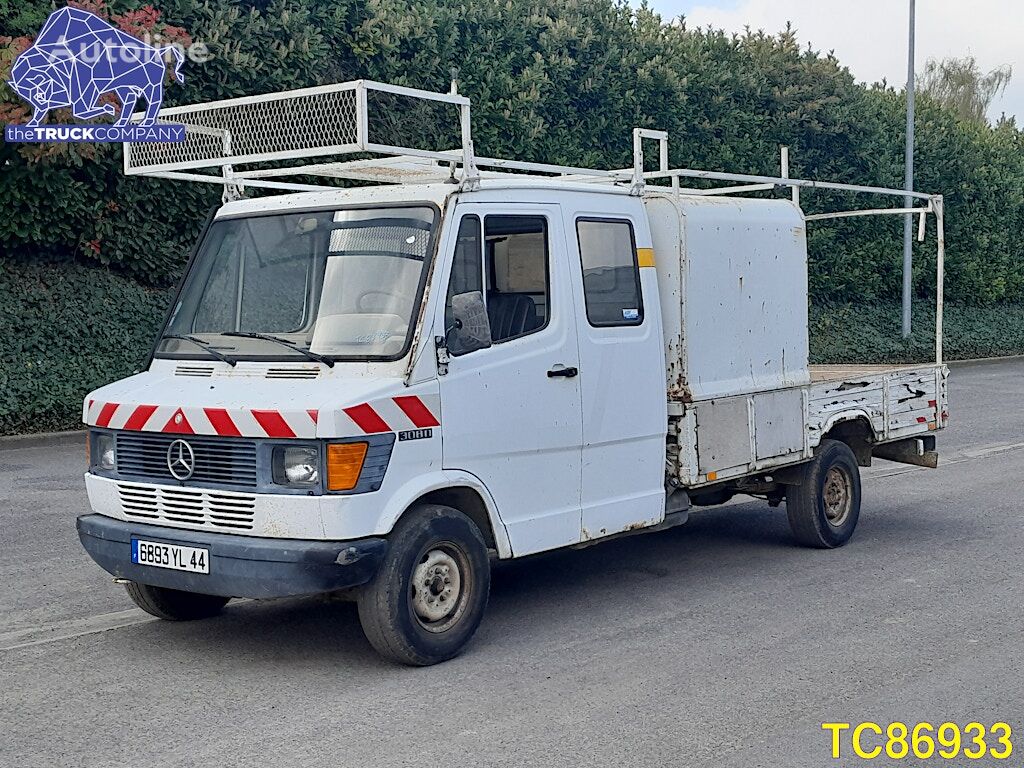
point(204, 345)
point(284, 343)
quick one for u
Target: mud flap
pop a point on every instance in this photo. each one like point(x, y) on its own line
point(919, 451)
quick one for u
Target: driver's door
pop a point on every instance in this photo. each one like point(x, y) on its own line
point(511, 411)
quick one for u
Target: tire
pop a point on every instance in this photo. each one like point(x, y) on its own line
point(429, 595)
point(824, 509)
point(174, 605)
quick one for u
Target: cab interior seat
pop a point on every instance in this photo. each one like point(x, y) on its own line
point(511, 314)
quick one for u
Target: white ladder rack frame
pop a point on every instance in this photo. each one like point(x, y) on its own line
point(356, 128)
point(411, 165)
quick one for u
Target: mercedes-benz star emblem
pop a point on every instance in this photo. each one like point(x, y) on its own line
point(181, 460)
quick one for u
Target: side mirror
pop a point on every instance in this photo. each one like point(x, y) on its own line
point(471, 330)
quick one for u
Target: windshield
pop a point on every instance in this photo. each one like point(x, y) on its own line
point(335, 283)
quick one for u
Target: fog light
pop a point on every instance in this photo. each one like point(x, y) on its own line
point(296, 466)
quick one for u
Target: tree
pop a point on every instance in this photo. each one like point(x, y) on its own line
point(959, 83)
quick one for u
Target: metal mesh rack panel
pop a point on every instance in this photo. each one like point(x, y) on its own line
point(274, 130)
point(296, 124)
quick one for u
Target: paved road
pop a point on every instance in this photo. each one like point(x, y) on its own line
point(715, 644)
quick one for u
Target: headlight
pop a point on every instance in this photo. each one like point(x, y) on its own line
point(296, 466)
point(102, 453)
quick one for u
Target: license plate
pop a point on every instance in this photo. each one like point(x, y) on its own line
point(173, 556)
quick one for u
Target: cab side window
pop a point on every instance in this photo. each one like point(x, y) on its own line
point(505, 263)
point(516, 266)
point(466, 281)
point(611, 275)
point(467, 265)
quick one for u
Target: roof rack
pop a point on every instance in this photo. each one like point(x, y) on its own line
point(310, 125)
point(329, 131)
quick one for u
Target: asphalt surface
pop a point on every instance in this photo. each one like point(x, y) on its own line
point(718, 643)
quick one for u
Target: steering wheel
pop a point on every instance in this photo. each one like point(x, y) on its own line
point(389, 296)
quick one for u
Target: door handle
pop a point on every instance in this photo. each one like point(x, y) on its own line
point(566, 373)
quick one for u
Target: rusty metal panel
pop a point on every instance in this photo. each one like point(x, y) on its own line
point(668, 239)
point(745, 296)
point(778, 423)
point(895, 402)
point(723, 434)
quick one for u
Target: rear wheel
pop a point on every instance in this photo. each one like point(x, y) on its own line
point(174, 605)
point(429, 596)
point(824, 509)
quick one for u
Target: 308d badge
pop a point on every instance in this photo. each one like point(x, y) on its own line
point(415, 434)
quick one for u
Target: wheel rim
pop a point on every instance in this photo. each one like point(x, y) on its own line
point(440, 586)
point(837, 495)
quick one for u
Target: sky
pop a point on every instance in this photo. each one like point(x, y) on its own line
point(870, 36)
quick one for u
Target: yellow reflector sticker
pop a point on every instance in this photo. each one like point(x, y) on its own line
point(344, 463)
point(712, 475)
point(645, 257)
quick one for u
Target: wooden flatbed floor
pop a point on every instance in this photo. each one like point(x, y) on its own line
point(837, 372)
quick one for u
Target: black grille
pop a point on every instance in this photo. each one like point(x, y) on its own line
point(218, 460)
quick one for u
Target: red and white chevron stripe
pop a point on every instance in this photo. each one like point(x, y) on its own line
point(388, 414)
point(184, 420)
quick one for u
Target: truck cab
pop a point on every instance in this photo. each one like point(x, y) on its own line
point(378, 390)
point(530, 380)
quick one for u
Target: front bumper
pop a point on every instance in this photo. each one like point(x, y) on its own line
point(240, 566)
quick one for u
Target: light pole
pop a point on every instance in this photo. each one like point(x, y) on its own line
point(908, 182)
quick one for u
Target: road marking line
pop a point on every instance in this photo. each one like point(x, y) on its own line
point(71, 628)
point(980, 453)
point(957, 458)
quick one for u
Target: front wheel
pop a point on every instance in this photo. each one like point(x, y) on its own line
point(824, 509)
point(173, 604)
point(429, 596)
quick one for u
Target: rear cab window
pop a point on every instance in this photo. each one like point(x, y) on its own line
point(611, 272)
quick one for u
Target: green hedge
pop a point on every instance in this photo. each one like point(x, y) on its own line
point(870, 333)
point(67, 329)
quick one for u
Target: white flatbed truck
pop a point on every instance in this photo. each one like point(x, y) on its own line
point(380, 388)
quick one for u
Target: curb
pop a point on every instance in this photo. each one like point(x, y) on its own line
point(970, 360)
point(42, 439)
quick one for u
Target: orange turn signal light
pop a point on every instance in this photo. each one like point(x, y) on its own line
point(344, 463)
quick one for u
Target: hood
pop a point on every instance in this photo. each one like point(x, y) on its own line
point(256, 400)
